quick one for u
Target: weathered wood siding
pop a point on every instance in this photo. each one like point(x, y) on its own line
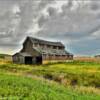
point(28, 47)
point(18, 59)
point(57, 57)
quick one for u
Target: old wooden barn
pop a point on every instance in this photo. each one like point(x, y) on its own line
point(35, 51)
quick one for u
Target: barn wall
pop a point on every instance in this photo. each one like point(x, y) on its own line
point(15, 59)
point(22, 60)
point(28, 47)
point(57, 57)
point(18, 59)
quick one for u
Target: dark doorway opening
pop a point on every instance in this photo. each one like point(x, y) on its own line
point(39, 60)
point(28, 60)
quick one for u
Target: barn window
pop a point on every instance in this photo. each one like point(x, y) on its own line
point(44, 56)
point(35, 44)
point(54, 47)
point(60, 48)
point(48, 46)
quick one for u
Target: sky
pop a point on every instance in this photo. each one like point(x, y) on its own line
point(76, 23)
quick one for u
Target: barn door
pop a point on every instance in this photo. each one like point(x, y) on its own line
point(28, 60)
point(39, 60)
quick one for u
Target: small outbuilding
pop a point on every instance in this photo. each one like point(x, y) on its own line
point(22, 58)
point(97, 56)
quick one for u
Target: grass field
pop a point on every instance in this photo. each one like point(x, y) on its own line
point(53, 81)
point(3, 55)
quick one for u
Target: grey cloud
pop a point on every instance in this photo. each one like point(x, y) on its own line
point(78, 18)
point(42, 20)
point(14, 26)
point(44, 3)
point(52, 11)
point(76, 26)
point(95, 5)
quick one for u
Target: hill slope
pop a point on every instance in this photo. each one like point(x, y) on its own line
point(54, 81)
point(15, 88)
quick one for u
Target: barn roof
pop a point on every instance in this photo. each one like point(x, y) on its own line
point(24, 54)
point(40, 41)
point(52, 51)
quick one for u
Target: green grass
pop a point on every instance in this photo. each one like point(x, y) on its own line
point(2, 56)
point(22, 88)
point(82, 74)
point(80, 80)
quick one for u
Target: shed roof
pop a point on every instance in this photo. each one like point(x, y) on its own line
point(24, 54)
point(52, 51)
